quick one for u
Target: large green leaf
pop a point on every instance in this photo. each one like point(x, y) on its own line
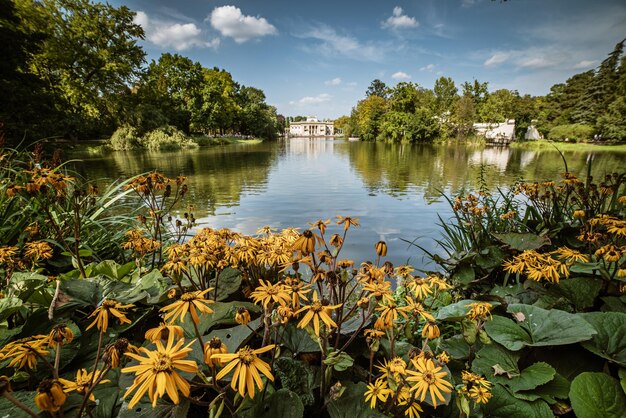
point(298, 340)
point(610, 340)
point(223, 314)
point(8, 409)
point(508, 333)
point(500, 365)
point(296, 376)
point(456, 347)
point(351, 403)
point(113, 270)
point(162, 410)
point(504, 405)
point(580, 291)
point(523, 241)
point(234, 337)
point(597, 395)
point(229, 282)
point(8, 306)
point(551, 327)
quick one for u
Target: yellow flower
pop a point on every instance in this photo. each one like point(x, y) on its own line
point(37, 250)
point(50, 396)
point(192, 302)
point(443, 357)
point(377, 391)
point(420, 287)
point(163, 331)
point(429, 379)
point(321, 225)
point(390, 310)
point(305, 243)
point(83, 382)
point(571, 256)
point(25, 352)
point(579, 214)
point(247, 367)
point(59, 335)
point(267, 293)
point(297, 289)
point(430, 331)
point(618, 228)
point(347, 221)
point(109, 306)
point(157, 372)
point(113, 352)
point(414, 408)
point(417, 309)
point(479, 310)
point(317, 311)
point(381, 248)
point(242, 317)
point(214, 346)
point(480, 394)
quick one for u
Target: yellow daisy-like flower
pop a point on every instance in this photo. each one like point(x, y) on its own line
point(479, 310)
point(60, 334)
point(50, 396)
point(25, 352)
point(163, 331)
point(390, 310)
point(413, 408)
point(420, 287)
point(114, 351)
point(157, 372)
point(429, 379)
point(347, 222)
point(242, 317)
point(192, 302)
point(418, 310)
point(480, 394)
point(317, 311)
point(214, 346)
point(247, 367)
point(267, 293)
point(102, 312)
point(377, 391)
point(430, 331)
point(571, 255)
point(82, 383)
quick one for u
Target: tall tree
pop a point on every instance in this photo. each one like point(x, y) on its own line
point(377, 88)
point(445, 95)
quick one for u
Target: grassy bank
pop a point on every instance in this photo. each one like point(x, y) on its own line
point(203, 141)
point(568, 146)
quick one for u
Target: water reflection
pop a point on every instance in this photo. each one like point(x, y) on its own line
point(393, 188)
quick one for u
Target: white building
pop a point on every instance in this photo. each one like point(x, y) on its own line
point(312, 127)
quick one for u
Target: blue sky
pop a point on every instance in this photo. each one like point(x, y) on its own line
point(318, 58)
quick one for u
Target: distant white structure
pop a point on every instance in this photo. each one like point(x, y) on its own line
point(532, 134)
point(312, 127)
point(497, 132)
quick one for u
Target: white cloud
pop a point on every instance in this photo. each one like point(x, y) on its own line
point(333, 44)
point(179, 36)
point(400, 75)
point(334, 82)
point(312, 100)
point(229, 21)
point(429, 68)
point(497, 58)
point(467, 3)
point(585, 64)
point(398, 20)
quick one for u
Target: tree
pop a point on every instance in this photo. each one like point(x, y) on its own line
point(377, 88)
point(256, 117)
point(445, 92)
point(464, 116)
point(499, 106)
point(368, 114)
point(88, 57)
point(218, 109)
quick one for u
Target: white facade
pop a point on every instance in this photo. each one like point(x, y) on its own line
point(311, 127)
point(496, 131)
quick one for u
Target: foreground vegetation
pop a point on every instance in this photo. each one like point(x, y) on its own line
point(113, 311)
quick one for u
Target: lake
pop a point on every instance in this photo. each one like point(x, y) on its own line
point(394, 189)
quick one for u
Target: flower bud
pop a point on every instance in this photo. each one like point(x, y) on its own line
point(381, 248)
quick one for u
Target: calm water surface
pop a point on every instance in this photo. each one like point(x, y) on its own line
point(394, 189)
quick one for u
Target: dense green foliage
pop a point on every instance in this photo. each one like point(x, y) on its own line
point(74, 69)
point(587, 106)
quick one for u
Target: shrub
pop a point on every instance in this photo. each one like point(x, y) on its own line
point(166, 138)
point(574, 132)
point(125, 138)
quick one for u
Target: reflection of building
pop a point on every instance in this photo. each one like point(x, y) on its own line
point(311, 127)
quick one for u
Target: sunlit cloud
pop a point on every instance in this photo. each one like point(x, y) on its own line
point(331, 43)
point(180, 36)
point(398, 20)
point(400, 75)
point(232, 23)
point(334, 82)
point(429, 68)
point(312, 100)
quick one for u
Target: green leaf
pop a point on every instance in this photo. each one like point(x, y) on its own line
point(622, 378)
point(8, 306)
point(351, 404)
point(551, 327)
point(457, 311)
point(113, 270)
point(523, 241)
point(223, 314)
point(229, 282)
point(504, 405)
point(610, 340)
point(8, 409)
point(597, 395)
point(297, 377)
point(234, 337)
point(464, 274)
point(556, 388)
point(580, 291)
point(490, 257)
point(506, 332)
point(282, 403)
point(614, 304)
point(340, 361)
point(298, 340)
point(456, 347)
point(162, 410)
